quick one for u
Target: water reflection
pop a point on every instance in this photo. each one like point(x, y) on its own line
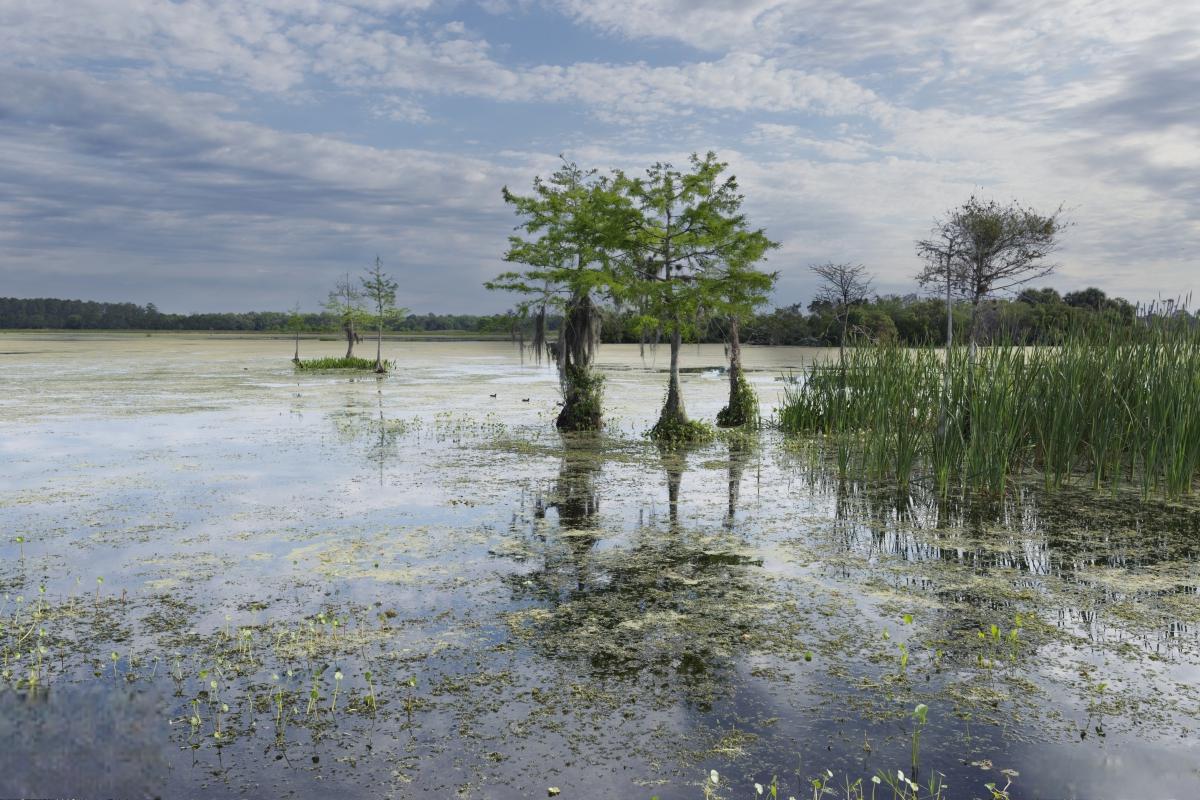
point(1101, 554)
point(665, 607)
point(739, 453)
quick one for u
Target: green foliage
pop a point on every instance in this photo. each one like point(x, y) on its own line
point(379, 288)
point(572, 221)
point(1035, 316)
point(341, 363)
point(1110, 404)
point(583, 393)
point(673, 430)
point(743, 405)
point(691, 249)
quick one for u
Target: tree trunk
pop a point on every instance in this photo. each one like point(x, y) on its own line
point(945, 398)
point(949, 314)
point(674, 409)
point(735, 358)
point(742, 408)
point(842, 340)
point(581, 388)
point(974, 330)
point(349, 329)
point(379, 348)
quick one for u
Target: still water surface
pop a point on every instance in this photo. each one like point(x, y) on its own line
point(197, 542)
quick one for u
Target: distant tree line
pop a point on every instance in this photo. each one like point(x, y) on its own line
point(47, 313)
point(1034, 316)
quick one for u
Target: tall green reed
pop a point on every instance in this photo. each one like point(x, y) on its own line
point(1116, 405)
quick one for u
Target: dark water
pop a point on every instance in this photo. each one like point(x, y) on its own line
point(584, 613)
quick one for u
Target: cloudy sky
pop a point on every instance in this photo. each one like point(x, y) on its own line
point(239, 154)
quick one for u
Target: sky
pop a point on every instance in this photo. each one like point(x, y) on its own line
point(235, 155)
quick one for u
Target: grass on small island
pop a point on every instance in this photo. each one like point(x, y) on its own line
point(367, 364)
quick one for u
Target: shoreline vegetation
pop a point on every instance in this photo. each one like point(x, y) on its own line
point(282, 335)
point(1033, 317)
point(1110, 407)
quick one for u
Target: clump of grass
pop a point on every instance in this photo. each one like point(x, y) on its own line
point(1109, 405)
point(366, 364)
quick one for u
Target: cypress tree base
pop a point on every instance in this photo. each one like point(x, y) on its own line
point(583, 395)
point(743, 405)
point(673, 429)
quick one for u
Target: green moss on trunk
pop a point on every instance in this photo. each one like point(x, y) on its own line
point(743, 404)
point(583, 393)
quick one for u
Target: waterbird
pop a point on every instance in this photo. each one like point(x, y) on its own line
point(492, 395)
point(524, 399)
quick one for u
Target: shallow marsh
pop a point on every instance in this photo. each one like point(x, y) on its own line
point(267, 582)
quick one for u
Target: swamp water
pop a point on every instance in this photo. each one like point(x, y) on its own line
point(221, 578)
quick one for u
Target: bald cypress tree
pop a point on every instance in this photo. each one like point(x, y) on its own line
point(689, 250)
point(571, 225)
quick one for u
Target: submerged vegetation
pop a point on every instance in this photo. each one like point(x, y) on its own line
point(1103, 407)
point(535, 607)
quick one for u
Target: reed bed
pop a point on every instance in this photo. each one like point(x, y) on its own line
point(1114, 406)
point(341, 363)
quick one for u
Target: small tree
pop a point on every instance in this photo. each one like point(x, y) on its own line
point(941, 251)
point(380, 290)
point(735, 292)
point(295, 324)
point(996, 248)
point(842, 286)
point(345, 304)
point(688, 238)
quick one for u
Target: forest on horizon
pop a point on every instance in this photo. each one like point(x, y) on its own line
point(1035, 316)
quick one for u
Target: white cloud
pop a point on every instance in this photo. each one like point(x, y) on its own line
point(402, 109)
point(129, 180)
point(276, 46)
point(851, 126)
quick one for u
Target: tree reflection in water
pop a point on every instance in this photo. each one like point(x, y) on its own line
point(664, 607)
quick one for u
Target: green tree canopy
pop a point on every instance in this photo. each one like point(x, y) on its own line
point(571, 226)
point(689, 251)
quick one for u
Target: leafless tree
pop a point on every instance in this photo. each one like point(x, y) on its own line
point(842, 286)
point(983, 248)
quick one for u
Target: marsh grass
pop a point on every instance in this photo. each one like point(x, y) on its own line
point(365, 364)
point(1110, 406)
